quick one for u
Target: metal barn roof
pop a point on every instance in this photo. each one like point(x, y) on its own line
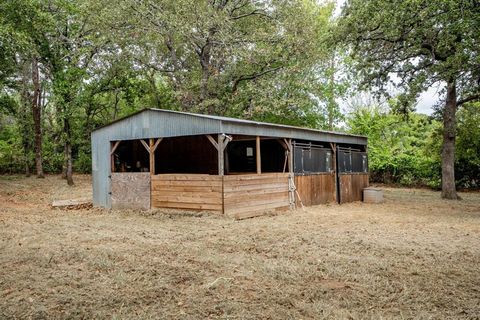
point(150, 123)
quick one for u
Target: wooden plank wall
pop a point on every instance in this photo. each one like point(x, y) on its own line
point(351, 186)
point(187, 191)
point(316, 188)
point(251, 195)
point(130, 190)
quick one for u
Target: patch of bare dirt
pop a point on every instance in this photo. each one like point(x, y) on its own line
point(414, 256)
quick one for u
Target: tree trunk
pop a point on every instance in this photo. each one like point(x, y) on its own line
point(27, 166)
point(65, 165)
point(331, 99)
point(205, 67)
point(69, 164)
point(448, 150)
point(68, 151)
point(37, 118)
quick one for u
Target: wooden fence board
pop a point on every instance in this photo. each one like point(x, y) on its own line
point(185, 177)
point(187, 191)
point(186, 188)
point(256, 213)
point(253, 195)
point(184, 205)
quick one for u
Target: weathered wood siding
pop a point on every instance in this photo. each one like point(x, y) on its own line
point(187, 191)
point(251, 195)
point(351, 186)
point(130, 190)
point(316, 188)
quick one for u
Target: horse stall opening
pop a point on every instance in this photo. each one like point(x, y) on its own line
point(314, 173)
point(352, 167)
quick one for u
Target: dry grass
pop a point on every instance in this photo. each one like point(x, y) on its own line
point(415, 256)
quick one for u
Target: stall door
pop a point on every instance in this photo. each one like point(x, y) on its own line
point(130, 190)
point(352, 166)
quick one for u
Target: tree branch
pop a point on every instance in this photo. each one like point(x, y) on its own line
point(468, 99)
point(252, 76)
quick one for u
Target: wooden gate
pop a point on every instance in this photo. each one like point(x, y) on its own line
point(351, 185)
point(130, 190)
point(316, 189)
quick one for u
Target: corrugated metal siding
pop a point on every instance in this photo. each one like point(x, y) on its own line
point(101, 169)
point(157, 123)
point(149, 124)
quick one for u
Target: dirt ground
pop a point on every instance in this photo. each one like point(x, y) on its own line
point(413, 257)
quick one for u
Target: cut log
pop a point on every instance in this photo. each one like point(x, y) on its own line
point(72, 204)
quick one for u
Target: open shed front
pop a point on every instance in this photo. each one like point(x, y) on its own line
point(236, 175)
point(166, 159)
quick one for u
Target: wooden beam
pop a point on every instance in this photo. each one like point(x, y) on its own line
point(334, 159)
point(288, 144)
point(156, 144)
point(210, 138)
point(152, 156)
point(291, 177)
point(226, 140)
point(282, 142)
point(220, 150)
point(114, 146)
point(290, 156)
point(258, 155)
point(145, 145)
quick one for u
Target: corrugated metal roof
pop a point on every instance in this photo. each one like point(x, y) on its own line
point(235, 121)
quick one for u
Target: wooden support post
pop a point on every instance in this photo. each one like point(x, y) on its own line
point(145, 145)
point(220, 150)
point(259, 156)
point(152, 156)
point(210, 138)
point(291, 176)
point(113, 147)
point(156, 144)
point(290, 156)
point(334, 159)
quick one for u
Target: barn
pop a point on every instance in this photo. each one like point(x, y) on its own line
point(168, 159)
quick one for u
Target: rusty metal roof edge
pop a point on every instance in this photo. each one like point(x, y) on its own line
point(232, 120)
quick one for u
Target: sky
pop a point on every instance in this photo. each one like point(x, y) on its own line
point(427, 100)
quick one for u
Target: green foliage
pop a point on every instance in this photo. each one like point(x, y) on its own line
point(11, 155)
point(400, 151)
point(271, 61)
point(248, 59)
point(407, 150)
point(468, 146)
point(413, 44)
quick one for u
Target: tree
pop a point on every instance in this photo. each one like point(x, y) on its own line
point(69, 44)
point(22, 19)
point(400, 149)
point(244, 58)
point(415, 44)
point(467, 166)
